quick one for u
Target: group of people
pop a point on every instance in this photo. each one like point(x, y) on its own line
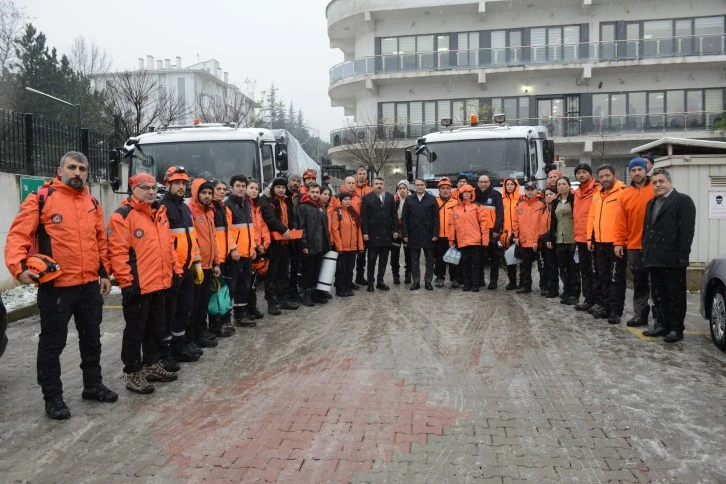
point(170, 257)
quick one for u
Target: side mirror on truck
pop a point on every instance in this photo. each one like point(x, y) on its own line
point(548, 149)
point(409, 165)
point(118, 171)
point(281, 157)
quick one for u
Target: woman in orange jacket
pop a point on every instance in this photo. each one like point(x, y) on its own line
point(469, 231)
point(530, 212)
point(510, 198)
point(348, 242)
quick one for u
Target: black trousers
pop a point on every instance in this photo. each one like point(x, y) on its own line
point(442, 245)
point(360, 262)
point(551, 275)
point(589, 282)
point(669, 296)
point(396, 259)
point(567, 267)
point(202, 294)
point(491, 256)
point(470, 265)
point(144, 316)
point(295, 265)
point(57, 305)
point(611, 273)
point(641, 284)
point(344, 270)
point(277, 279)
point(379, 254)
point(179, 307)
point(529, 257)
point(416, 265)
point(241, 280)
point(541, 269)
point(311, 269)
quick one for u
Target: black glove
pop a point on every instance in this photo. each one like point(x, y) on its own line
point(128, 293)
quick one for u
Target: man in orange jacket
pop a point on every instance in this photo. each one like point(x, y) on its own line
point(203, 216)
point(601, 235)
point(175, 346)
point(63, 221)
point(360, 190)
point(446, 203)
point(242, 233)
point(581, 209)
point(144, 262)
point(629, 236)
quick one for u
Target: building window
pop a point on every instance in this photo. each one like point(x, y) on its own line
point(468, 53)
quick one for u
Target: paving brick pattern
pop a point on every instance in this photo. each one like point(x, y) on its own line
point(388, 387)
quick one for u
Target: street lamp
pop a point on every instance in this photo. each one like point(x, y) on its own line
point(78, 112)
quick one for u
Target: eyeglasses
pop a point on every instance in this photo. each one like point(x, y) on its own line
point(146, 188)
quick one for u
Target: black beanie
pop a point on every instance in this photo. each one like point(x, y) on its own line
point(461, 177)
point(278, 181)
point(343, 195)
point(583, 166)
point(207, 185)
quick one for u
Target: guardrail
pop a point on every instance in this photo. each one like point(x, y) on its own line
point(556, 126)
point(619, 50)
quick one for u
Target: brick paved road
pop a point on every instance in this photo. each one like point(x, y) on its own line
point(389, 387)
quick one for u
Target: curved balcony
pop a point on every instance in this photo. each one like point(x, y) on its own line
point(492, 58)
point(649, 125)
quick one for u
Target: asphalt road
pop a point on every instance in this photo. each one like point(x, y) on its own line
point(402, 386)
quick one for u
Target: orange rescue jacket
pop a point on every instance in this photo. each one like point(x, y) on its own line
point(509, 201)
point(469, 223)
point(631, 215)
point(532, 218)
point(181, 225)
point(141, 246)
point(581, 207)
point(72, 233)
point(203, 218)
point(345, 232)
point(603, 212)
point(262, 233)
point(445, 209)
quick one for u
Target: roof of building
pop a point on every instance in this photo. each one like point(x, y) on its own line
point(681, 146)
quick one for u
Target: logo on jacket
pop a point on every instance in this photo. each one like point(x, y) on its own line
point(520, 211)
point(200, 220)
point(138, 233)
point(489, 201)
point(56, 218)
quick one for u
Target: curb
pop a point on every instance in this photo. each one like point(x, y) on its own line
point(21, 313)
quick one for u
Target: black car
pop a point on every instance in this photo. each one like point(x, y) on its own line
point(3, 328)
point(713, 299)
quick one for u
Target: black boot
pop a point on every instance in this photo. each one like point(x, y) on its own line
point(57, 409)
point(272, 307)
point(396, 279)
point(288, 304)
point(407, 278)
point(320, 297)
point(307, 299)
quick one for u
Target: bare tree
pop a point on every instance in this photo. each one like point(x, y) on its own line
point(11, 24)
point(88, 59)
point(372, 144)
point(138, 102)
point(238, 106)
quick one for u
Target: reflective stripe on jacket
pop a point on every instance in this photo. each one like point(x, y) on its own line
point(203, 218)
point(182, 230)
point(241, 225)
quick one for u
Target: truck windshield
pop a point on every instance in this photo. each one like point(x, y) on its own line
point(207, 159)
point(497, 158)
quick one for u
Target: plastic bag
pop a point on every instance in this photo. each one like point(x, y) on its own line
point(220, 303)
point(510, 256)
point(452, 256)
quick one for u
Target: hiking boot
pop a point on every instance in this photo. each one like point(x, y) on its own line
point(206, 342)
point(186, 357)
point(156, 372)
point(439, 282)
point(320, 297)
point(361, 281)
point(57, 409)
point(571, 301)
point(170, 364)
point(100, 393)
point(192, 347)
point(511, 286)
point(273, 308)
point(287, 304)
point(636, 322)
point(244, 321)
point(136, 382)
point(228, 329)
point(455, 284)
point(355, 286)
point(595, 308)
point(604, 314)
point(209, 335)
point(307, 299)
point(614, 318)
point(583, 306)
point(254, 312)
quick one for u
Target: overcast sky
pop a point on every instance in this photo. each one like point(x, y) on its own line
point(284, 41)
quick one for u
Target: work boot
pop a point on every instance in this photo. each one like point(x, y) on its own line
point(273, 308)
point(583, 306)
point(673, 337)
point(192, 347)
point(288, 304)
point(100, 393)
point(595, 308)
point(511, 286)
point(604, 314)
point(360, 280)
point(307, 299)
point(228, 329)
point(57, 409)
point(355, 286)
point(319, 297)
point(656, 332)
point(186, 356)
point(206, 342)
point(492, 285)
point(170, 364)
point(156, 372)
point(244, 321)
point(439, 282)
point(614, 318)
point(136, 382)
point(636, 321)
point(255, 312)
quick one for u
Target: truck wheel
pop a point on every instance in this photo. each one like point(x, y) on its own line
point(718, 318)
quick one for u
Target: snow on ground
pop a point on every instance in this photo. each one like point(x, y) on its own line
point(19, 297)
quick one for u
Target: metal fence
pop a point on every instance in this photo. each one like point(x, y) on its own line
point(31, 145)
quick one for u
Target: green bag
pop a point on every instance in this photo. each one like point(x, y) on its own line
point(220, 303)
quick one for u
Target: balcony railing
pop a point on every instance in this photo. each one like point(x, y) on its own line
point(619, 50)
point(607, 126)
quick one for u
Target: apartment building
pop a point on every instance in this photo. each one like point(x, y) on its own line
point(603, 76)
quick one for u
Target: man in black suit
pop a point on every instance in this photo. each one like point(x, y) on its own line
point(379, 227)
point(421, 231)
point(670, 220)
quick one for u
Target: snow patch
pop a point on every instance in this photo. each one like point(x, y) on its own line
point(20, 297)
